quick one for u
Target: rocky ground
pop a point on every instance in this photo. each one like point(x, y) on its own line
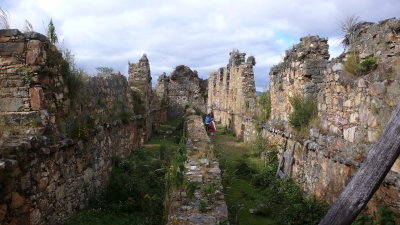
point(206, 204)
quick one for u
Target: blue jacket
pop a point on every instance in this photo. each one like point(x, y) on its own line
point(208, 119)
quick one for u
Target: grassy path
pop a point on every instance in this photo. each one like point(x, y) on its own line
point(240, 194)
point(251, 185)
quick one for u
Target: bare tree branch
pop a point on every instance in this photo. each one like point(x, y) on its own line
point(348, 29)
point(4, 19)
point(28, 26)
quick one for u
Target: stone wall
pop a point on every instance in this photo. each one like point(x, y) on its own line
point(232, 93)
point(204, 207)
point(353, 109)
point(182, 88)
point(140, 81)
point(59, 130)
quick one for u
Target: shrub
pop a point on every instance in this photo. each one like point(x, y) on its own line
point(125, 116)
point(134, 185)
point(355, 67)
point(351, 65)
point(191, 187)
point(265, 101)
point(202, 206)
point(367, 65)
point(138, 105)
point(303, 111)
point(243, 169)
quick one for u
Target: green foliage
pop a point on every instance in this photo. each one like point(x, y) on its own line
point(138, 105)
point(243, 169)
point(164, 102)
point(367, 65)
point(303, 111)
point(191, 187)
point(51, 32)
point(25, 73)
point(353, 66)
point(257, 127)
point(202, 206)
point(383, 216)
point(179, 175)
point(260, 144)
point(80, 126)
point(276, 201)
point(125, 116)
point(209, 189)
point(265, 101)
point(386, 216)
point(135, 183)
point(74, 81)
point(137, 187)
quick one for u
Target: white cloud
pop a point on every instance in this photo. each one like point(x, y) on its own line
point(197, 33)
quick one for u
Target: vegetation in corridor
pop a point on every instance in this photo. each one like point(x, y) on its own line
point(304, 110)
point(250, 185)
point(137, 186)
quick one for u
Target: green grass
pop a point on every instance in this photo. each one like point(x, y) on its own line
point(249, 182)
point(240, 194)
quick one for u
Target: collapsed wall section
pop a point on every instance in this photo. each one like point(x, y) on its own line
point(59, 130)
point(354, 104)
point(183, 87)
point(140, 83)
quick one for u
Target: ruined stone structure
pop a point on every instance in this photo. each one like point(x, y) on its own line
point(207, 205)
point(140, 81)
point(353, 108)
point(232, 93)
point(59, 131)
point(182, 88)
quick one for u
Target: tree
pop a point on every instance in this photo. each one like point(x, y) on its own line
point(368, 178)
point(51, 32)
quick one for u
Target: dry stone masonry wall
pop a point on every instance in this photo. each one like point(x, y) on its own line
point(182, 88)
point(59, 130)
point(353, 107)
point(207, 205)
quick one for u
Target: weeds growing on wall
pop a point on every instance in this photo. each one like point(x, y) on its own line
point(138, 106)
point(355, 67)
point(304, 110)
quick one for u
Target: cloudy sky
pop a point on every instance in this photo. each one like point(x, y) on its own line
point(196, 33)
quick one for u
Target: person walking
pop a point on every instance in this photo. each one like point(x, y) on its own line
point(213, 128)
point(208, 120)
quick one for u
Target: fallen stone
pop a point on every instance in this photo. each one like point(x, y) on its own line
point(201, 219)
point(35, 216)
point(252, 211)
point(16, 200)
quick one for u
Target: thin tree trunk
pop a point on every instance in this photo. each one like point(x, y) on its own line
point(368, 178)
